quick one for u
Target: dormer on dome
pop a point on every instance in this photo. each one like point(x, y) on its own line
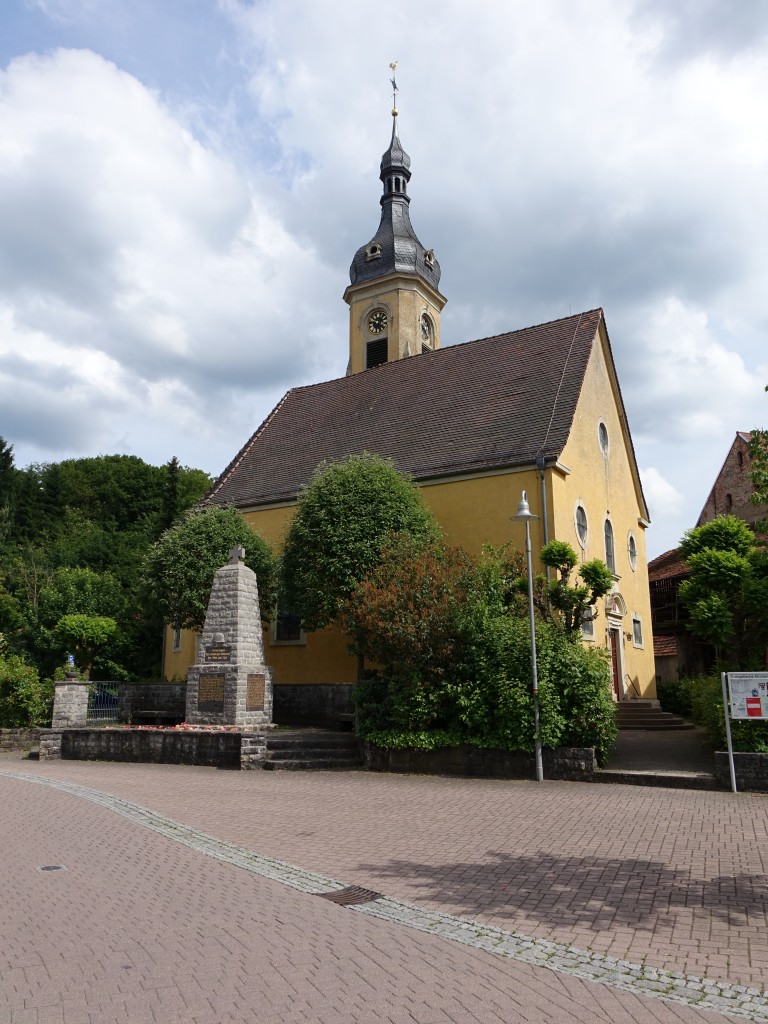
point(393, 296)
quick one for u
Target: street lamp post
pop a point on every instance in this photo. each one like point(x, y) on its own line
point(524, 515)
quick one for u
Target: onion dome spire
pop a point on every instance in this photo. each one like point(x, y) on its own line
point(395, 248)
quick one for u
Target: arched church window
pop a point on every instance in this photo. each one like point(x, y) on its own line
point(610, 556)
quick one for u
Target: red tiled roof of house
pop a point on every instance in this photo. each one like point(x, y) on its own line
point(667, 565)
point(496, 402)
point(664, 646)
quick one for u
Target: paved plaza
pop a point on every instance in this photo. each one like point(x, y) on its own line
point(187, 895)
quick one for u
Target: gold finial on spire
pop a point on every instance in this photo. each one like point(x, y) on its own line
point(393, 82)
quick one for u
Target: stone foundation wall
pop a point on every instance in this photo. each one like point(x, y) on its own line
point(155, 746)
point(314, 704)
point(751, 771)
point(18, 739)
point(572, 763)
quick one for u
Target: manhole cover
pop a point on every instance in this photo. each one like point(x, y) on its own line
point(51, 867)
point(350, 896)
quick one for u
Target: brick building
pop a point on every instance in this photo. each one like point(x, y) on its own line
point(677, 653)
point(732, 491)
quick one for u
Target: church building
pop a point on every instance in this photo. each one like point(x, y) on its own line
point(537, 409)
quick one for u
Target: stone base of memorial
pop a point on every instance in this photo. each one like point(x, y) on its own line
point(229, 695)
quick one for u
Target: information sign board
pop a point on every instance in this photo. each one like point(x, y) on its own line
point(749, 695)
point(745, 697)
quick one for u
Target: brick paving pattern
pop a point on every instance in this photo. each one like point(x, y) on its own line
point(672, 877)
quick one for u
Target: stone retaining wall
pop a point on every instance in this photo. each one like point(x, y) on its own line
point(572, 763)
point(18, 739)
point(751, 771)
point(155, 746)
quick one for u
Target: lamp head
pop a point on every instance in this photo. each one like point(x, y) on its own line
point(524, 513)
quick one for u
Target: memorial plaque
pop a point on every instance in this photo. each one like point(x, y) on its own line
point(211, 690)
point(218, 652)
point(254, 697)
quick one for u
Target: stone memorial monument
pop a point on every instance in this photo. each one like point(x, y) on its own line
point(231, 684)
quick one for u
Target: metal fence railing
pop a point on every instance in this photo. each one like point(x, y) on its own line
point(103, 702)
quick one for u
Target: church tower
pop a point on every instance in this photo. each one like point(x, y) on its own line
point(394, 302)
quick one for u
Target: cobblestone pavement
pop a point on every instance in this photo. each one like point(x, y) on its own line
point(140, 928)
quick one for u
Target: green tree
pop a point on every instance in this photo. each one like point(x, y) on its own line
point(7, 486)
point(97, 516)
point(726, 593)
point(406, 614)
point(85, 636)
point(80, 592)
point(179, 568)
point(571, 602)
point(343, 518)
point(451, 636)
point(25, 701)
point(758, 451)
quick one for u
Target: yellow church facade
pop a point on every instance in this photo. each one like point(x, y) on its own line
point(538, 409)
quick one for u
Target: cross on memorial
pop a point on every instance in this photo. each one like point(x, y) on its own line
point(236, 555)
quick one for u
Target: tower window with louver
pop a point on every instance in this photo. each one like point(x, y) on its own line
point(376, 353)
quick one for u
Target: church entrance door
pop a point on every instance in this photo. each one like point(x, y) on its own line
point(614, 640)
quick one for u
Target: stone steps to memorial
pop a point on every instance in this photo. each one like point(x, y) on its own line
point(313, 764)
point(310, 749)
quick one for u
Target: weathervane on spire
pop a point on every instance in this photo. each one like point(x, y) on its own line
point(393, 82)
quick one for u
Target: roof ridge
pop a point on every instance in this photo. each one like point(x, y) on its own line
point(531, 327)
point(435, 352)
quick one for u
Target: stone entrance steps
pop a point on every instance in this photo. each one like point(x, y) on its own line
point(312, 750)
point(647, 714)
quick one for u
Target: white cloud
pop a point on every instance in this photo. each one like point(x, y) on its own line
point(692, 380)
point(566, 154)
point(133, 257)
point(663, 497)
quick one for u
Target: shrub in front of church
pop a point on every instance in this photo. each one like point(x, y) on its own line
point(453, 640)
point(343, 518)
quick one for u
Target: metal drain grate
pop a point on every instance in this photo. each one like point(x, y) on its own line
point(51, 867)
point(351, 896)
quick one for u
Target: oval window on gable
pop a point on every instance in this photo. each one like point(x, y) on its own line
point(632, 551)
point(602, 437)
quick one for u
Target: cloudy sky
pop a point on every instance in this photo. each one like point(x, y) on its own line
point(183, 184)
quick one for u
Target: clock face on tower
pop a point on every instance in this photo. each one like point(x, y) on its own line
point(377, 322)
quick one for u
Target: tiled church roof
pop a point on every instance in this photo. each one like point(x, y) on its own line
point(497, 402)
